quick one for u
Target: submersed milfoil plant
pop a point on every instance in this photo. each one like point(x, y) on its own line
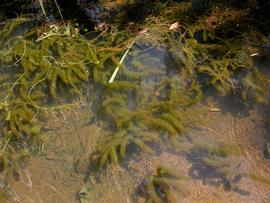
point(166, 186)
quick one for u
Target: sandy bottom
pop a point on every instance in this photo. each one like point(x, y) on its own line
point(61, 173)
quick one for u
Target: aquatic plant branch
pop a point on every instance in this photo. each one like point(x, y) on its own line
point(24, 50)
point(41, 3)
point(59, 11)
point(6, 144)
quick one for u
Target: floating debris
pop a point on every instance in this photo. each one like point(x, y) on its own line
point(174, 26)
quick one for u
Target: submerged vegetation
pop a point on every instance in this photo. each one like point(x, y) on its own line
point(50, 66)
point(219, 163)
point(166, 186)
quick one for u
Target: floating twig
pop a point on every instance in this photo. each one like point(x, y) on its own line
point(121, 62)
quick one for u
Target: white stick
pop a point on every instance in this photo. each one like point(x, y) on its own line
point(120, 63)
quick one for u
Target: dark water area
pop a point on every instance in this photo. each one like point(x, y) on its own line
point(92, 12)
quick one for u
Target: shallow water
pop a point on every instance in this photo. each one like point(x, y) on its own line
point(65, 170)
point(54, 176)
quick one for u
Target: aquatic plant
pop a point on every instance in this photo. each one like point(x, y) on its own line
point(41, 68)
point(61, 59)
point(215, 47)
point(203, 59)
point(56, 58)
point(50, 63)
point(116, 145)
point(140, 102)
point(211, 46)
point(166, 186)
point(219, 163)
point(12, 155)
point(213, 160)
